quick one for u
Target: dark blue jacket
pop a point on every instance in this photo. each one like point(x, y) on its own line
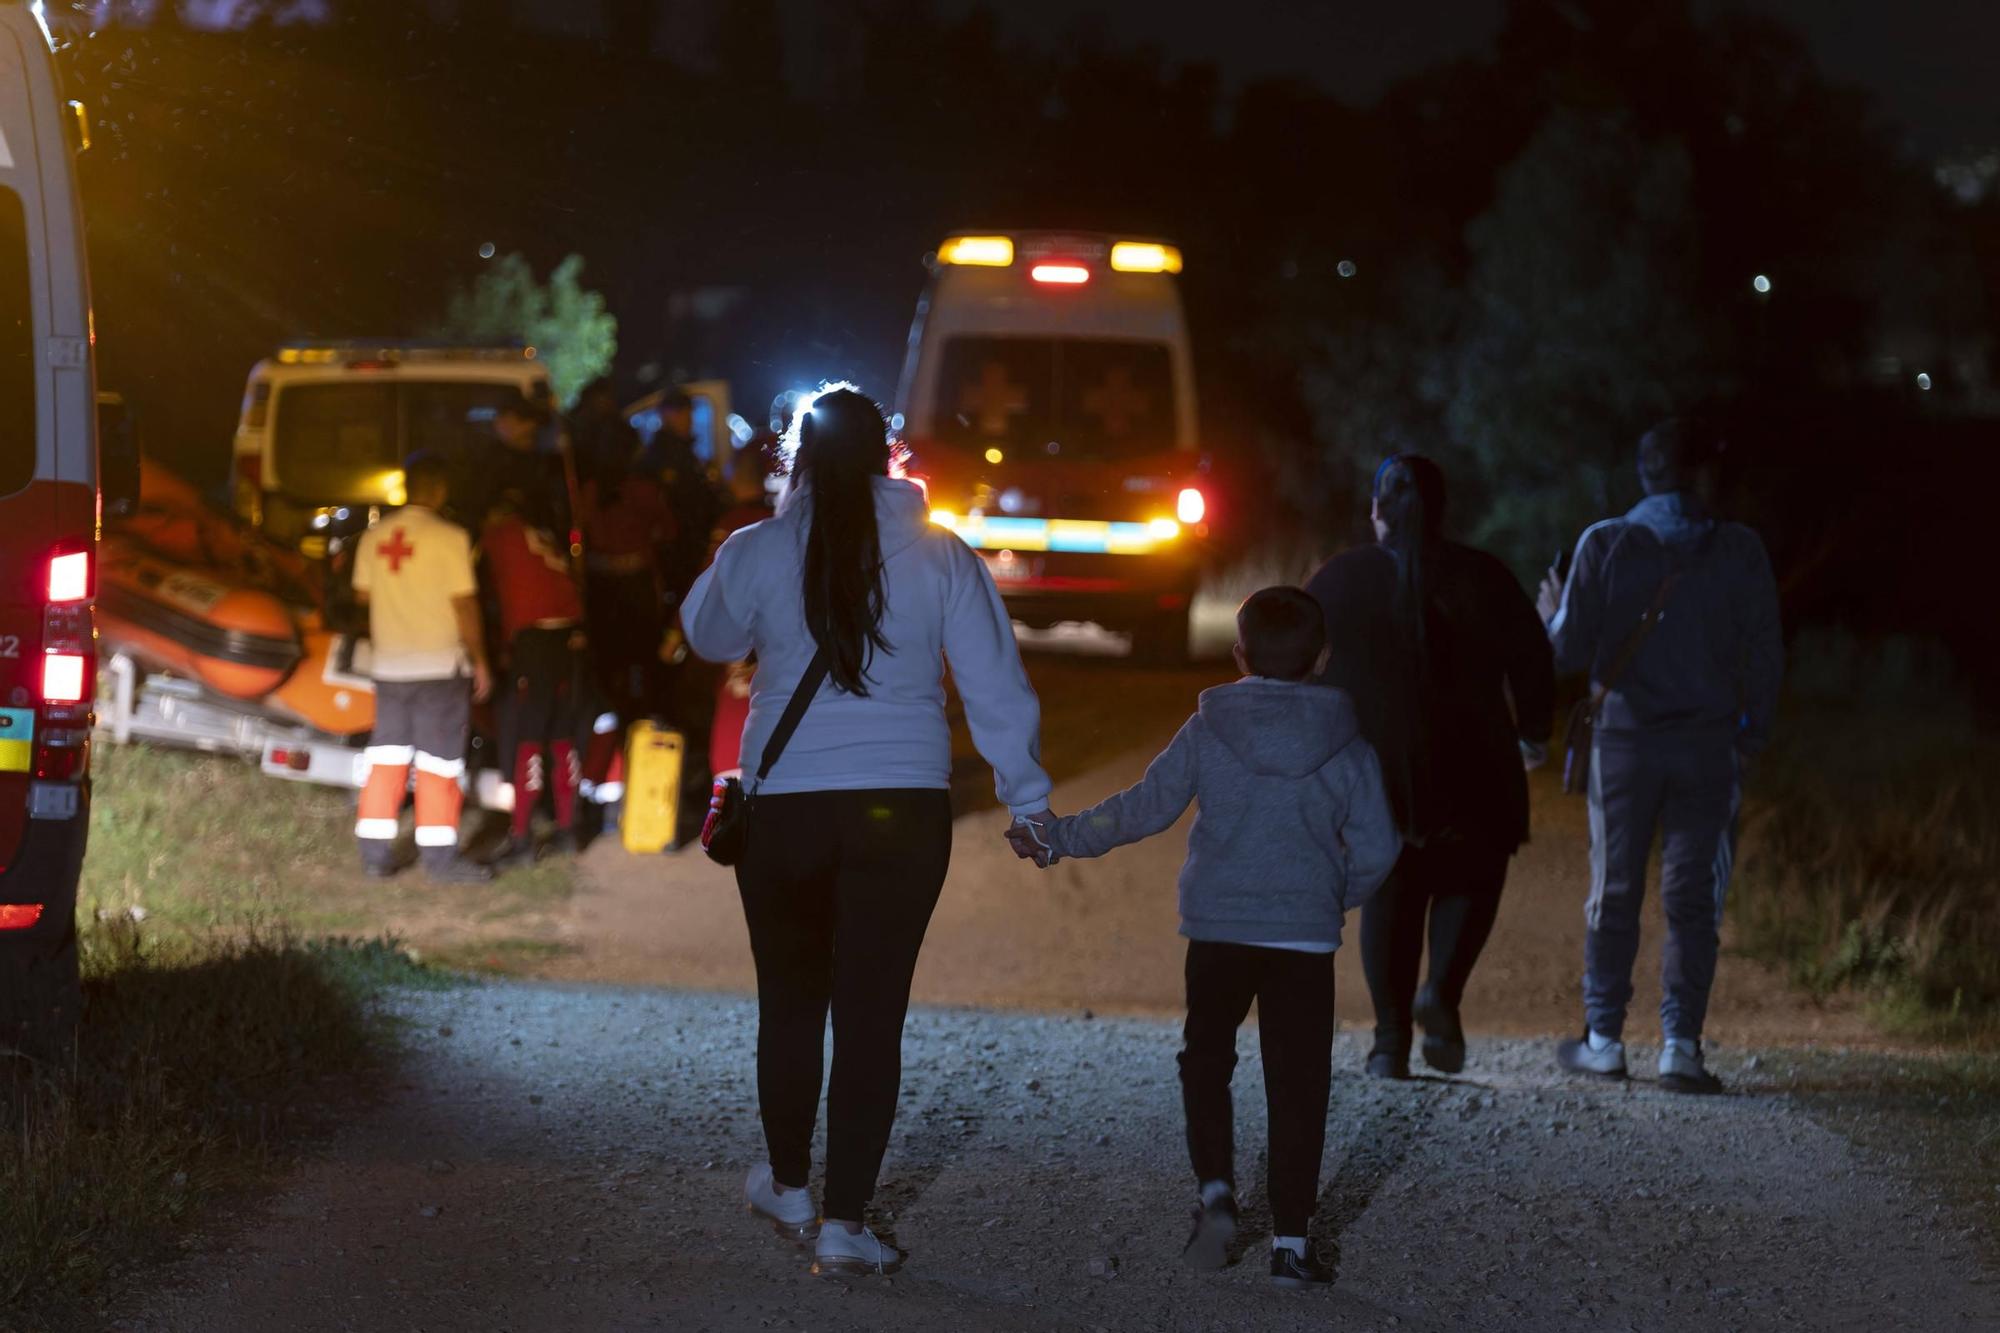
point(1715, 659)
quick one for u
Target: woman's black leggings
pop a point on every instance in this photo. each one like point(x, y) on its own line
point(838, 888)
point(1454, 889)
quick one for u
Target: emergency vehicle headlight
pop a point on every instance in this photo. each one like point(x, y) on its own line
point(983, 251)
point(1191, 506)
point(1145, 257)
point(944, 518)
point(394, 488)
point(1163, 529)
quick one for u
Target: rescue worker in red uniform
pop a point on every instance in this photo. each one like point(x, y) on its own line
point(413, 571)
point(541, 618)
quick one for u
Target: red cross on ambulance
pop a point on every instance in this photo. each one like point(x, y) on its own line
point(994, 399)
point(1117, 402)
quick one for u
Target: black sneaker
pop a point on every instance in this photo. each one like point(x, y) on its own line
point(518, 850)
point(1388, 1065)
point(1444, 1039)
point(456, 870)
point(1688, 1074)
point(1207, 1248)
point(1294, 1273)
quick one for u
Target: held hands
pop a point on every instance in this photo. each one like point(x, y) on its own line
point(1029, 837)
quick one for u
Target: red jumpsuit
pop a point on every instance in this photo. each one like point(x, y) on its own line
point(541, 618)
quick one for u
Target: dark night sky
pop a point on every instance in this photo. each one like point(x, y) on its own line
point(1930, 62)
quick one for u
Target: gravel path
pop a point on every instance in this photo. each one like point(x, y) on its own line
point(571, 1157)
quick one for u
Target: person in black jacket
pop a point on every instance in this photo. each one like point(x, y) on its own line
point(1432, 640)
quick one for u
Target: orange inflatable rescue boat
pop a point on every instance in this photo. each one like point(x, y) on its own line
point(188, 590)
point(237, 641)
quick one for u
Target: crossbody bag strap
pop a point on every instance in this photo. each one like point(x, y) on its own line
point(795, 711)
point(1633, 642)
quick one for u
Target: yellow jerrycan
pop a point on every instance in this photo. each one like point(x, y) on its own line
point(653, 757)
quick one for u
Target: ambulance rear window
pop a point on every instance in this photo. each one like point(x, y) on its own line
point(335, 439)
point(1096, 398)
point(17, 348)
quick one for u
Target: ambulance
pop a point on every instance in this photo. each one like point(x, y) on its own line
point(49, 501)
point(1047, 405)
point(326, 425)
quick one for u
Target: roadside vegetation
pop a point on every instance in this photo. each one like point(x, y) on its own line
point(1871, 848)
point(198, 1063)
point(231, 954)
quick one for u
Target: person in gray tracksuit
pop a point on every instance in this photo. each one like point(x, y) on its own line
point(1293, 828)
point(1675, 731)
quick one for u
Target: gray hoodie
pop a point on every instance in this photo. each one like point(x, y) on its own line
point(1293, 826)
point(1714, 662)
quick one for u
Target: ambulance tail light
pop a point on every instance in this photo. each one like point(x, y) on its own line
point(1191, 506)
point(64, 678)
point(1060, 275)
point(69, 577)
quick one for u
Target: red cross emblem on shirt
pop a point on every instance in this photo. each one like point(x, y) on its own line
point(396, 551)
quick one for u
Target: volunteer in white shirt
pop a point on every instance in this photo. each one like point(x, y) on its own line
point(414, 571)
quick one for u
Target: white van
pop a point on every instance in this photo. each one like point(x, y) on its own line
point(326, 425)
point(48, 538)
point(1048, 406)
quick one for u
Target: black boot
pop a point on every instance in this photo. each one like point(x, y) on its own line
point(1444, 1039)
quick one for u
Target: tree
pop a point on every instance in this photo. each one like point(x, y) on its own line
point(1581, 329)
point(563, 320)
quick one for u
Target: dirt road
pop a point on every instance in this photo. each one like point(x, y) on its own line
point(571, 1158)
point(1101, 934)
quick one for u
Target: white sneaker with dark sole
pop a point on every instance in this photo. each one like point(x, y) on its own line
point(1681, 1072)
point(790, 1214)
point(1207, 1248)
point(1577, 1056)
point(843, 1253)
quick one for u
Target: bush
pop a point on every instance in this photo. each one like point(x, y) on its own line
point(1871, 854)
point(194, 1065)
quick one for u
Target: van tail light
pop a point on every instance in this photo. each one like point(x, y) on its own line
point(63, 677)
point(1061, 275)
point(1191, 506)
point(69, 577)
point(19, 916)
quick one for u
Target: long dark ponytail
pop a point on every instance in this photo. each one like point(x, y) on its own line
point(1409, 506)
point(843, 445)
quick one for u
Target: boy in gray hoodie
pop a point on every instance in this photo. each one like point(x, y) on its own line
point(1293, 828)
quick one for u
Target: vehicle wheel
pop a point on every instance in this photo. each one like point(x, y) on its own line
point(1161, 640)
point(41, 995)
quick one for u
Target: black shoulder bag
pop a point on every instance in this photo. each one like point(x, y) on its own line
point(727, 829)
point(1580, 731)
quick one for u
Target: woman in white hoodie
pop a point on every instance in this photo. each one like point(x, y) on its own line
point(850, 834)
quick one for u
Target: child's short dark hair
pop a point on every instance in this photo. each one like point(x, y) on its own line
point(1282, 631)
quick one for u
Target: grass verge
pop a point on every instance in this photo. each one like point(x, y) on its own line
point(197, 1064)
point(1871, 849)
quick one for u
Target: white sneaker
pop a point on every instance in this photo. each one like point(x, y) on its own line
point(1591, 1054)
point(1682, 1068)
point(840, 1252)
point(791, 1214)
